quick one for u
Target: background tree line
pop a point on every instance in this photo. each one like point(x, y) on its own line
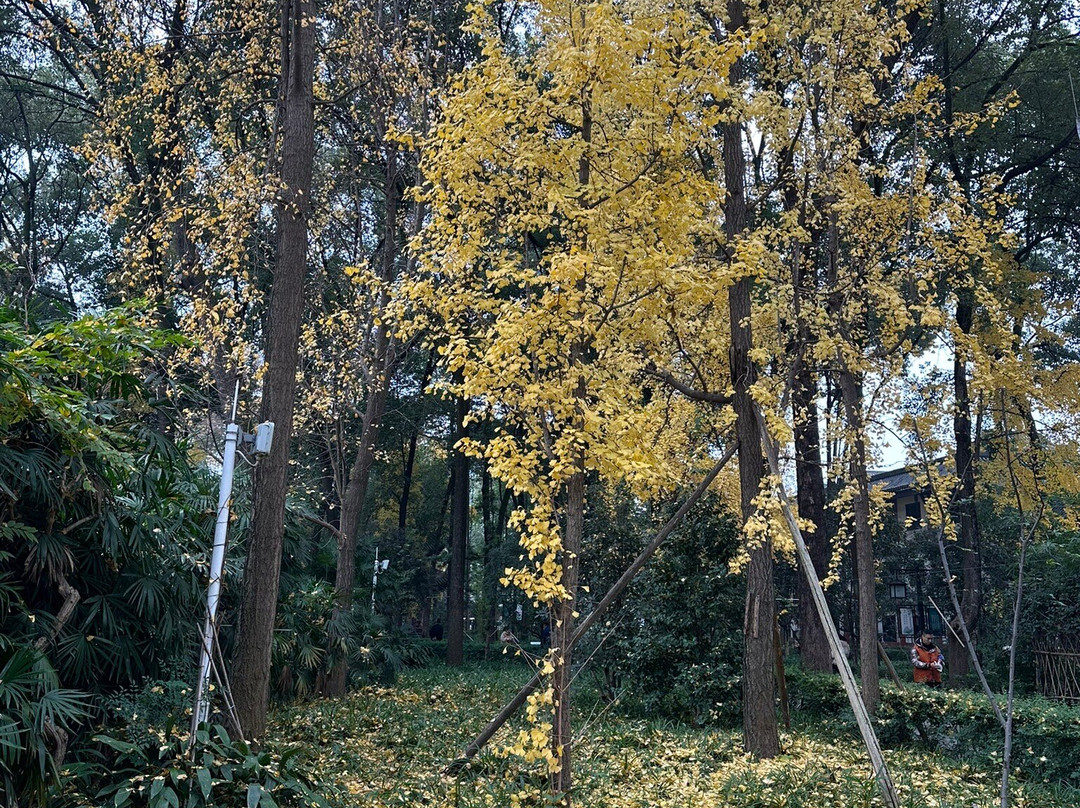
point(518, 275)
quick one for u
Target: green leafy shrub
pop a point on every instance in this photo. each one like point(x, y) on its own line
point(142, 711)
point(815, 694)
point(310, 639)
point(216, 771)
point(1046, 734)
point(671, 648)
point(960, 723)
point(36, 715)
point(105, 519)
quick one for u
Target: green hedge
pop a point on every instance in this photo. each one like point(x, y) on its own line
point(433, 652)
point(960, 723)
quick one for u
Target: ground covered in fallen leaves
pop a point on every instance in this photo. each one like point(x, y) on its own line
point(388, 746)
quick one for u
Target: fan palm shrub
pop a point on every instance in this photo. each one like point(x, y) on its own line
point(36, 716)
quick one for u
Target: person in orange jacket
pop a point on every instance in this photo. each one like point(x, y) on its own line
point(927, 660)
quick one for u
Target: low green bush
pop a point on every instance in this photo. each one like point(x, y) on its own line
point(311, 637)
point(216, 771)
point(144, 710)
point(671, 647)
point(815, 694)
point(36, 716)
point(699, 693)
point(960, 723)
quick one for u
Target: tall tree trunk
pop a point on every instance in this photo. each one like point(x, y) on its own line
point(459, 544)
point(410, 457)
point(851, 391)
point(383, 364)
point(406, 482)
point(486, 610)
point(562, 735)
point(563, 629)
point(964, 510)
point(760, 728)
point(251, 661)
point(810, 484)
point(813, 646)
point(352, 507)
point(493, 532)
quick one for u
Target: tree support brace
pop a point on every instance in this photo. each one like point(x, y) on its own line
point(862, 717)
point(616, 590)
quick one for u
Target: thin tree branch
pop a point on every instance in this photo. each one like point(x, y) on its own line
point(691, 393)
point(943, 510)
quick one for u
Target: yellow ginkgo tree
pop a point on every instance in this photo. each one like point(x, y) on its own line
point(566, 218)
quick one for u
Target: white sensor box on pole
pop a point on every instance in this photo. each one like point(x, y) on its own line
point(264, 437)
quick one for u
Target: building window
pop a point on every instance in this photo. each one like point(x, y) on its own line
point(912, 513)
point(934, 623)
point(898, 591)
point(907, 621)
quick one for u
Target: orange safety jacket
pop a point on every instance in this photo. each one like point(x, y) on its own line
point(926, 656)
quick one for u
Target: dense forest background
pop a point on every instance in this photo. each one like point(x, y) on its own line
point(509, 280)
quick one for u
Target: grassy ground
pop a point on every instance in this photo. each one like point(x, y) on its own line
point(387, 746)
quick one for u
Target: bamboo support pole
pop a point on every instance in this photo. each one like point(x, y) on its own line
point(945, 620)
point(862, 717)
point(616, 589)
point(889, 665)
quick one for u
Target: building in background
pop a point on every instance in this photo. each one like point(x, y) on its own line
point(910, 576)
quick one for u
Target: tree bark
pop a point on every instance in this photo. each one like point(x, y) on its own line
point(851, 390)
point(760, 728)
point(487, 599)
point(258, 609)
point(563, 634)
point(563, 629)
point(810, 484)
point(459, 544)
point(382, 368)
point(406, 482)
point(410, 458)
point(352, 506)
point(964, 509)
point(810, 497)
point(494, 531)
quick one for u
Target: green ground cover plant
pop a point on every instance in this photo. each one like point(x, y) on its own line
point(215, 771)
point(958, 723)
point(387, 747)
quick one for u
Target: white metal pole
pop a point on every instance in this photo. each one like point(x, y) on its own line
point(217, 565)
point(374, 579)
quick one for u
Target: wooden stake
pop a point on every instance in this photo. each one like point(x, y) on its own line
point(889, 665)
